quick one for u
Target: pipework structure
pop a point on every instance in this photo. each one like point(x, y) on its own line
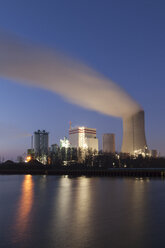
point(134, 140)
point(41, 143)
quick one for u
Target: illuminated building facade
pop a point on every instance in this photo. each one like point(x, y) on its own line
point(64, 143)
point(83, 137)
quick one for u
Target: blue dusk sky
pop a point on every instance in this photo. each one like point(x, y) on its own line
point(124, 40)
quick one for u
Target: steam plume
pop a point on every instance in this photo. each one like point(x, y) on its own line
point(40, 67)
point(9, 132)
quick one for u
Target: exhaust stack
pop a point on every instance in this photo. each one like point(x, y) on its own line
point(134, 138)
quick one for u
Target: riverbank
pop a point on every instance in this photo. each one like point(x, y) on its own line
point(111, 172)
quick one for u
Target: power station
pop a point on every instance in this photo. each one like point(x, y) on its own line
point(80, 85)
point(133, 144)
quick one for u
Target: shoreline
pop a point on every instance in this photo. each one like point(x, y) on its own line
point(111, 172)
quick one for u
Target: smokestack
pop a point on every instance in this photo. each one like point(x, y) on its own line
point(109, 143)
point(134, 133)
point(32, 142)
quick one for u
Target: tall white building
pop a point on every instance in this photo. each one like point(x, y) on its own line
point(83, 137)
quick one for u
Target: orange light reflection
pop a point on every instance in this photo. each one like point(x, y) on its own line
point(24, 207)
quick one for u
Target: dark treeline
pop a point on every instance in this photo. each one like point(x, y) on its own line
point(76, 158)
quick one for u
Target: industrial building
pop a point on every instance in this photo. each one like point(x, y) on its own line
point(41, 145)
point(83, 137)
point(108, 143)
point(134, 140)
point(154, 153)
point(54, 148)
point(64, 143)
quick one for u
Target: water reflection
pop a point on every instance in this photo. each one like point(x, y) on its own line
point(64, 197)
point(134, 206)
point(73, 198)
point(83, 201)
point(80, 212)
point(24, 207)
point(139, 203)
point(72, 205)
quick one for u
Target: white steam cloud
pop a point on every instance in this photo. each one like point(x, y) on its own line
point(40, 67)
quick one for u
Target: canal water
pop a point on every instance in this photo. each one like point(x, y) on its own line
point(81, 212)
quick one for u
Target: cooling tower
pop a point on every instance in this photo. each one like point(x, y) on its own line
point(109, 143)
point(134, 133)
